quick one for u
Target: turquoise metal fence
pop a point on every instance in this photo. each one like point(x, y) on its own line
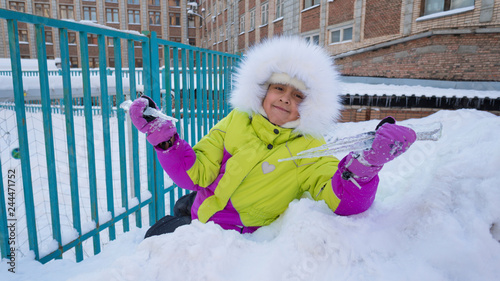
point(200, 81)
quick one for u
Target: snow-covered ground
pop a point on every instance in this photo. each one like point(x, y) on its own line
point(436, 217)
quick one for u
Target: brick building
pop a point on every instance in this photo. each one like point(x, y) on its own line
point(166, 18)
point(418, 39)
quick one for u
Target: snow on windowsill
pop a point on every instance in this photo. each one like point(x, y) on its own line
point(278, 19)
point(446, 13)
point(310, 8)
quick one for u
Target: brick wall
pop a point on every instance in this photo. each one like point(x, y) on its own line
point(263, 32)
point(356, 113)
point(310, 19)
point(465, 57)
point(340, 11)
point(382, 17)
point(278, 27)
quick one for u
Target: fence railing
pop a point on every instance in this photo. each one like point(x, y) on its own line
point(105, 158)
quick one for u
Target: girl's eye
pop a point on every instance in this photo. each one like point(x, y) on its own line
point(299, 96)
point(279, 88)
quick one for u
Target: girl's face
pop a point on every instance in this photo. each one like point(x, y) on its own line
point(281, 103)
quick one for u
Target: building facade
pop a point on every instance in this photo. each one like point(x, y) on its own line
point(420, 39)
point(166, 18)
point(455, 40)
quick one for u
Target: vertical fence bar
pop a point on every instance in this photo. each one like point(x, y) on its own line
point(175, 57)
point(105, 111)
point(199, 97)
point(216, 89)
point(191, 97)
point(70, 136)
point(204, 92)
point(210, 91)
point(146, 79)
point(168, 110)
point(121, 128)
point(221, 89)
point(48, 134)
point(185, 95)
point(156, 95)
point(89, 131)
point(167, 82)
point(135, 137)
point(225, 87)
point(15, 60)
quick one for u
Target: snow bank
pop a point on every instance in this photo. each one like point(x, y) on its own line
point(436, 217)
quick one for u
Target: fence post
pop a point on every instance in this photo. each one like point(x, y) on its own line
point(22, 132)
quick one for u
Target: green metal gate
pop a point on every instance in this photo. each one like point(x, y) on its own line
point(197, 78)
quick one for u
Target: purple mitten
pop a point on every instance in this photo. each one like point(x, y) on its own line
point(157, 129)
point(391, 140)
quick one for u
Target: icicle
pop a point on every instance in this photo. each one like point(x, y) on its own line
point(364, 141)
point(149, 111)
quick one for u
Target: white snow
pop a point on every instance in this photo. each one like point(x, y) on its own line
point(436, 217)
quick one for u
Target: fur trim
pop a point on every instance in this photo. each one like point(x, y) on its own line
point(283, 78)
point(300, 61)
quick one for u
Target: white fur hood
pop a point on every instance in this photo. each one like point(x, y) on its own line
point(300, 60)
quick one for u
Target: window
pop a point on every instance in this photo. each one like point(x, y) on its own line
point(73, 62)
point(312, 38)
point(66, 12)
point(48, 37)
point(134, 16)
point(93, 62)
point(111, 1)
point(92, 39)
point(175, 19)
point(111, 62)
point(221, 33)
point(436, 6)
point(23, 35)
point(174, 3)
point(154, 2)
point(89, 13)
point(191, 21)
point(192, 41)
point(138, 62)
point(17, 6)
point(341, 35)
point(111, 42)
point(133, 2)
point(310, 3)
point(242, 24)
point(252, 19)
point(42, 10)
point(264, 13)
point(112, 15)
point(71, 37)
point(175, 39)
point(279, 8)
point(154, 18)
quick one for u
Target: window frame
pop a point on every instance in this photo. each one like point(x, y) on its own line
point(310, 37)
point(90, 13)
point(341, 31)
point(177, 19)
point(66, 10)
point(136, 15)
point(44, 8)
point(113, 14)
point(264, 13)
point(156, 16)
point(280, 5)
point(252, 19)
point(17, 4)
point(312, 3)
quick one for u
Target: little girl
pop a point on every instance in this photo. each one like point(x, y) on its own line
point(286, 96)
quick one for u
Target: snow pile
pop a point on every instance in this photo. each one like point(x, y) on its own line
point(436, 217)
